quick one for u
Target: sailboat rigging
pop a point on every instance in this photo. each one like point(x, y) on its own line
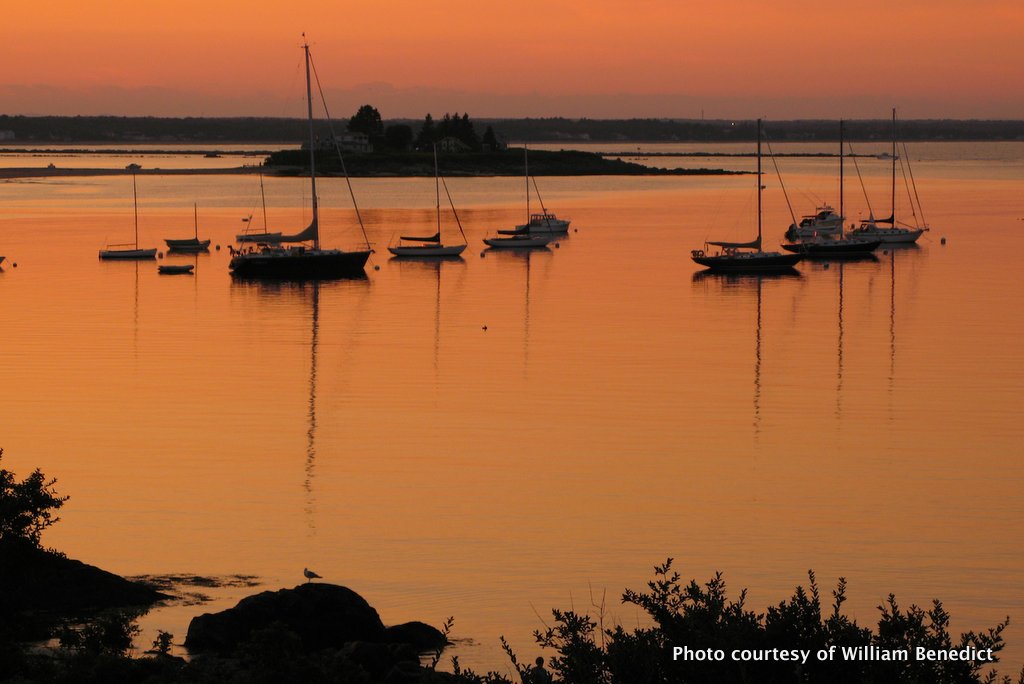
point(301, 262)
point(545, 221)
point(870, 227)
point(192, 244)
point(835, 245)
point(431, 245)
point(129, 250)
point(265, 236)
point(733, 256)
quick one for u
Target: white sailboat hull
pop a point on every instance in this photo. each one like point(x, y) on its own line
point(888, 235)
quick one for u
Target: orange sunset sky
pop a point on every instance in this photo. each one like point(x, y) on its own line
point(597, 58)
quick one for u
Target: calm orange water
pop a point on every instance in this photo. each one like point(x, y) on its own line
point(862, 420)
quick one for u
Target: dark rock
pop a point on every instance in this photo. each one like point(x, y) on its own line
point(321, 615)
point(419, 635)
point(39, 588)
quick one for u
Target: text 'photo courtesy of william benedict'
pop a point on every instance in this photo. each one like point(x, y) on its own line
point(832, 654)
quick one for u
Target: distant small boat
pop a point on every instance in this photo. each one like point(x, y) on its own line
point(520, 241)
point(431, 245)
point(192, 244)
point(175, 269)
point(129, 250)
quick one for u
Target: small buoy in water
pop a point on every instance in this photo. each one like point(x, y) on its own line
point(481, 255)
point(376, 267)
point(218, 248)
point(15, 264)
point(885, 251)
point(558, 246)
point(575, 230)
point(160, 255)
point(942, 241)
point(485, 328)
point(826, 267)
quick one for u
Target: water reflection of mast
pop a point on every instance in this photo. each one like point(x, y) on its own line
point(526, 319)
point(437, 321)
point(892, 325)
point(757, 367)
point(135, 338)
point(839, 369)
point(311, 432)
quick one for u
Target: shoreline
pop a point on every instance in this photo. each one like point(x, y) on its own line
point(17, 173)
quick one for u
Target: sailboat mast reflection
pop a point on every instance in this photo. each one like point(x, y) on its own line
point(839, 344)
point(311, 432)
point(736, 281)
point(757, 367)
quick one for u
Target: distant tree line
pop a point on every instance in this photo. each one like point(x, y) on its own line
point(397, 133)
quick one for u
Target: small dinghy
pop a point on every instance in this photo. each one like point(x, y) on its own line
point(175, 269)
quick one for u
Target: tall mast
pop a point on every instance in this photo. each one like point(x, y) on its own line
point(526, 167)
point(135, 201)
point(263, 198)
point(312, 151)
point(437, 191)
point(759, 185)
point(841, 214)
point(893, 215)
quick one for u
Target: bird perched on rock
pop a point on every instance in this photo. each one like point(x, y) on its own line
point(310, 575)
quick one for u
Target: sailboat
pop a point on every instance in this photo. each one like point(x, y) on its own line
point(129, 250)
point(192, 244)
point(892, 234)
point(431, 245)
point(302, 262)
point(826, 220)
point(835, 245)
point(544, 222)
point(734, 257)
point(264, 237)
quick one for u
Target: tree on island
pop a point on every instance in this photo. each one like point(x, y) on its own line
point(490, 141)
point(427, 135)
point(367, 120)
point(27, 507)
point(454, 126)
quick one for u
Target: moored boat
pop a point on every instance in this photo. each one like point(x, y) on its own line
point(886, 230)
point(175, 269)
point(301, 262)
point(129, 250)
point(431, 245)
point(746, 257)
point(192, 244)
point(543, 222)
point(524, 240)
